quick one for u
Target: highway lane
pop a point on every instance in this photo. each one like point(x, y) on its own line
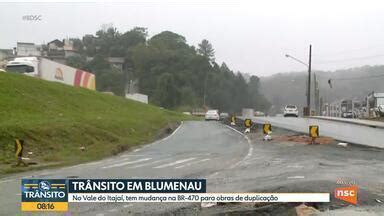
point(194, 150)
point(230, 163)
point(351, 133)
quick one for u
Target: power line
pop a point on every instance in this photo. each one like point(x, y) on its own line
point(350, 59)
point(353, 78)
point(354, 50)
point(362, 77)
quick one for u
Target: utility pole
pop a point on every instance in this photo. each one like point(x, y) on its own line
point(307, 109)
point(309, 81)
point(317, 95)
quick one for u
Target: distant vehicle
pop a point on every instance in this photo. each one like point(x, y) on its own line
point(259, 113)
point(375, 104)
point(291, 110)
point(52, 71)
point(198, 112)
point(380, 109)
point(224, 115)
point(346, 108)
point(247, 112)
point(212, 115)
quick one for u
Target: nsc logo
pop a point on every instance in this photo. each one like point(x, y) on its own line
point(44, 195)
point(347, 194)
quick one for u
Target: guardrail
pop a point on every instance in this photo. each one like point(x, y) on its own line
point(369, 123)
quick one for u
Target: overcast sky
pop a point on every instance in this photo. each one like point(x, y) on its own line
point(250, 36)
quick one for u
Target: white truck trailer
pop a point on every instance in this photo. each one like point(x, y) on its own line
point(248, 113)
point(375, 104)
point(52, 71)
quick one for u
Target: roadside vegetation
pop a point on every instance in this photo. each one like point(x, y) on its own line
point(165, 67)
point(63, 125)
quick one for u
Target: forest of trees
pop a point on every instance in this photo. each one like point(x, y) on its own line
point(172, 73)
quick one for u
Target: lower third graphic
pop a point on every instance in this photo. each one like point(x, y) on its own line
point(44, 195)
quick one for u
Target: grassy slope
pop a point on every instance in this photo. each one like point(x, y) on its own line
point(56, 120)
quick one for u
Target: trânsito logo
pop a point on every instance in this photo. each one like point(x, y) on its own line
point(44, 186)
point(47, 190)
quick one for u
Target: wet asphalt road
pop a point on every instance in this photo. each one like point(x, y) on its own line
point(194, 150)
point(231, 163)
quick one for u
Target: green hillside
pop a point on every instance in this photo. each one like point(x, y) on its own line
point(354, 83)
point(57, 120)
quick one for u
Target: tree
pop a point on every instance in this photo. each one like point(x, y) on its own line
point(205, 49)
point(89, 45)
point(110, 80)
point(258, 101)
point(133, 37)
point(77, 44)
point(107, 77)
point(107, 43)
point(76, 61)
point(172, 73)
point(167, 94)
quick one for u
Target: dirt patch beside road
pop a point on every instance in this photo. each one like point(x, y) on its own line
point(303, 139)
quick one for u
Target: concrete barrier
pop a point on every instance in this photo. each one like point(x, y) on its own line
point(343, 131)
point(369, 123)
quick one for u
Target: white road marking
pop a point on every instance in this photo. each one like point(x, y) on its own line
point(128, 205)
point(295, 166)
point(295, 177)
point(208, 204)
point(125, 158)
point(4, 181)
point(165, 138)
point(195, 162)
point(94, 163)
point(46, 173)
point(113, 210)
point(250, 148)
point(76, 166)
point(132, 155)
point(249, 155)
point(126, 163)
point(146, 164)
point(213, 174)
point(174, 163)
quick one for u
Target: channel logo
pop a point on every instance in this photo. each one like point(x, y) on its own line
point(347, 194)
point(44, 195)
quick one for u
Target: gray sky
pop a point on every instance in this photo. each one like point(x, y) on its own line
point(250, 36)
